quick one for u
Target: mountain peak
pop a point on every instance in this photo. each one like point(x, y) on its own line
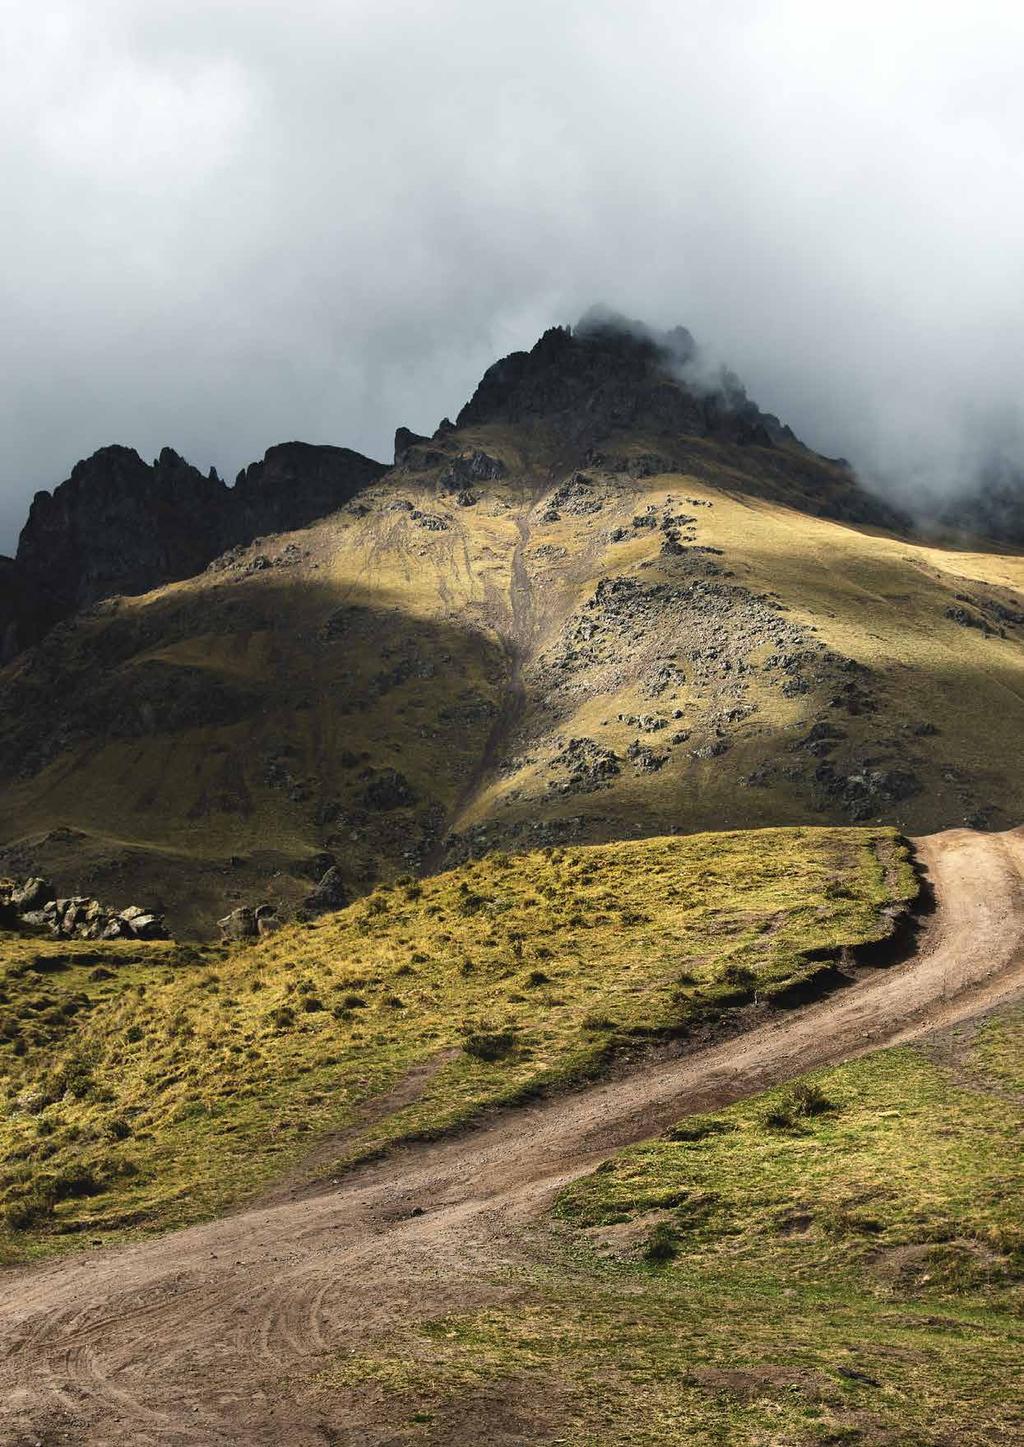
point(609, 373)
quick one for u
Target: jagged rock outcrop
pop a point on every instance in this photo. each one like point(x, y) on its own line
point(608, 374)
point(593, 385)
point(118, 525)
point(405, 441)
point(13, 603)
point(121, 525)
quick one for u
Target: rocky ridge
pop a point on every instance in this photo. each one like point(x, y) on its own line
point(119, 525)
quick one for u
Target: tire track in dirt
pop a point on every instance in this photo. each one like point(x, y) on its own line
point(212, 1335)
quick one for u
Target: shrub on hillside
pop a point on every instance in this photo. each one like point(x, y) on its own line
point(804, 1101)
point(490, 1045)
point(662, 1245)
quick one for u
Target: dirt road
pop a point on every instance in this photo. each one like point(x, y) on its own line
point(212, 1335)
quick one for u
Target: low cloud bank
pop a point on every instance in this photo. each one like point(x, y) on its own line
point(232, 224)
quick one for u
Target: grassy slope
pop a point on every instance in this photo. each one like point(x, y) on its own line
point(151, 1086)
point(769, 1276)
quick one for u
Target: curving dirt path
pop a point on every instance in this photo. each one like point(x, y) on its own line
point(213, 1335)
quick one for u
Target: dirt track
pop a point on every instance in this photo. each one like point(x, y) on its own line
point(210, 1335)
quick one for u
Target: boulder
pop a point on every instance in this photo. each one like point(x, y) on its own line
point(329, 894)
point(148, 927)
point(388, 790)
point(240, 924)
point(37, 918)
point(31, 894)
point(267, 921)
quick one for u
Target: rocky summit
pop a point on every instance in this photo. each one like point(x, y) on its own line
point(614, 597)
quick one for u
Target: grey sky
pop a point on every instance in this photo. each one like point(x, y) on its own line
point(234, 222)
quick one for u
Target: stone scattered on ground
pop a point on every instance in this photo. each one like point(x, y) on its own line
point(33, 903)
point(588, 765)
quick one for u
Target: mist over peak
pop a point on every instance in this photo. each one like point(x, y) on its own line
point(610, 372)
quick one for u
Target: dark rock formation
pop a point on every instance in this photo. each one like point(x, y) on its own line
point(120, 525)
point(14, 609)
point(116, 526)
point(608, 377)
point(414, 452)
point(405, 440)
point(388, 790)
point(473, 467)
point(295, 483)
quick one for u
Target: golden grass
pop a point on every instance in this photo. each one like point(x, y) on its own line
point(172, 1084)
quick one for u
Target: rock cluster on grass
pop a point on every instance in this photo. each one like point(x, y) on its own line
point(34, 903)
point(588, 765)
point(575, 497)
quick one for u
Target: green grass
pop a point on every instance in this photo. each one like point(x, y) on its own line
point(855, 1275)
point(181, 1080)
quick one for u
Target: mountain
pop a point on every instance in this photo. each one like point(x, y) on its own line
point(613, 599)
point(577, 751)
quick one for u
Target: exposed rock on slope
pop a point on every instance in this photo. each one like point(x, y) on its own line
point(295, 483)
point(117, 525)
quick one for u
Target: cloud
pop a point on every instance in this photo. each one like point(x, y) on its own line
point(230, 224)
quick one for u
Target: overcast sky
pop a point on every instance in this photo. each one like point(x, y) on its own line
point(234, 222)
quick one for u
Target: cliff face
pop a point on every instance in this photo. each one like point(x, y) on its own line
point(117, 525)
point(121, 525)
point(294, 484)
point(12, 603)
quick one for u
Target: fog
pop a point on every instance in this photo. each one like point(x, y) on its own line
point(230, 223)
